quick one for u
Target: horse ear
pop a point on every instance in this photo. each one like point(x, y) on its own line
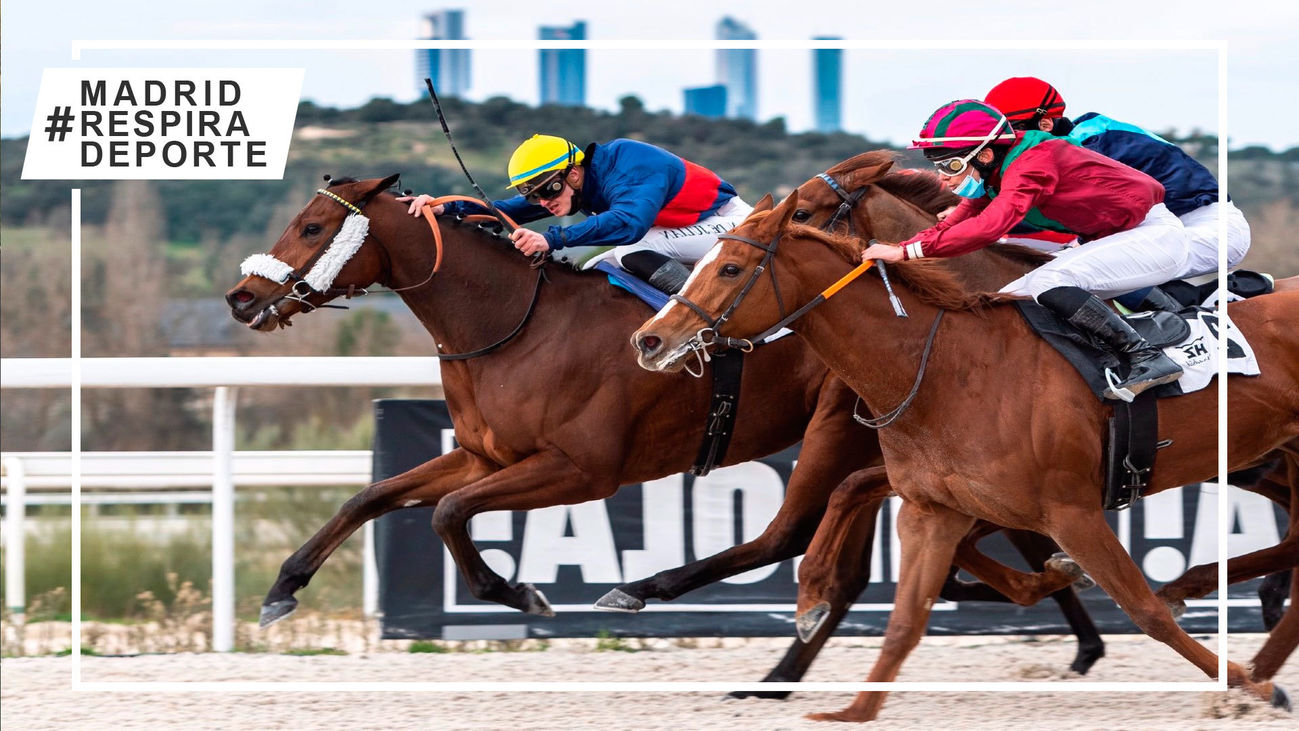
point(371, 188)
point(869, 173)
point(780, 215)
point(766, 204)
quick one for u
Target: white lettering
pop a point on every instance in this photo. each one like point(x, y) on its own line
point(664, 529)
point(761, 491)
point(546, 548)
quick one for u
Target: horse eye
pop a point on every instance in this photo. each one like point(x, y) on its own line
point(801, 215)
point(731, 270)
point(311, 229)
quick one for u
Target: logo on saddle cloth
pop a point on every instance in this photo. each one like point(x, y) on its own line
point(1190, 338)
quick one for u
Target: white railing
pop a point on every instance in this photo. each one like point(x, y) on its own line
point(220, 470)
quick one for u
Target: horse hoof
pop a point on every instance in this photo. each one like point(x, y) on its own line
point(1281, 699)
point(618, 600)
point(275, 611)
point(536, 603)
point(1063, 562)
point(774, 695)
point(810, 622)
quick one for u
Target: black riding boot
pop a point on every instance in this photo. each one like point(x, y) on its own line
point(1149, 366)
point(663, 272)
point(1157, 299)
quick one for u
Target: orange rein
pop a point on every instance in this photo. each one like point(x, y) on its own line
point(437, 232)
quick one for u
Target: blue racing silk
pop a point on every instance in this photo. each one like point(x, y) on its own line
point(1188, 185)
point(628, 187)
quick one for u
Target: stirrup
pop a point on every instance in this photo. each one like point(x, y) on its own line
point(1116, 391)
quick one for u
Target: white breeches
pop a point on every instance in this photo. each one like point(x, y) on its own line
point(1151, 253)
point(687, 244)
point(1202, 234)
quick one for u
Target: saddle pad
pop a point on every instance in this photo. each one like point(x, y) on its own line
point(1195, 352)
point(645, 291)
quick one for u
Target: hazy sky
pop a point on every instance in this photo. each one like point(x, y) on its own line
point(887, 94)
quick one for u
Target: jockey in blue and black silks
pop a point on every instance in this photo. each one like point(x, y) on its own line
point(660, 212)
point(1190, 190)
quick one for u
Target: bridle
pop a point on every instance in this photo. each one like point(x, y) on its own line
point(708, 337)
point(848, 201)
point(351, 233)
point(316, 275)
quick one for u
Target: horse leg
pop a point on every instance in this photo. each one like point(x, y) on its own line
point(424, 485)
point(1281, 485)
point(541, 480)
point(1085, 536)
point(1024, 589)
point(840, 596)
point(832, 448)
point(1281, 643)
point(1203, 579)
point(835, 557)
point(1037, 549)
point(1272, 594)
point(929, 536)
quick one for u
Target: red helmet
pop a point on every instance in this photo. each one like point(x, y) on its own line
point(1026, 99)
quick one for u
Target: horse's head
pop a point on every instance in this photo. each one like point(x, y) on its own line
point(318, 257)
point(862, 197)
point(727, 296)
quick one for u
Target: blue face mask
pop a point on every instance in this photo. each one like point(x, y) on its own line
point(969, 188)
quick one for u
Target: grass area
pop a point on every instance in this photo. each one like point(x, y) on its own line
point(308, 652)
point(427, 646)
point(134, 561)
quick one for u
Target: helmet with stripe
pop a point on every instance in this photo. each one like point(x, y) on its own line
point(963, 124)
point(1026, 100)
point(539, 157)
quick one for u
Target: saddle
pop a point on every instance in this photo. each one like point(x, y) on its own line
point(1188, 336)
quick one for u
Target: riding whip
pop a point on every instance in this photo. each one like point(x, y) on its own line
point(888, 286)
point(437, 105)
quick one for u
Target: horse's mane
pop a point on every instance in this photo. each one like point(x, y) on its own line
point(920, 188)
point(931, 279)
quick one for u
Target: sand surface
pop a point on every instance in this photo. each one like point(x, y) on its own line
point(37, 694)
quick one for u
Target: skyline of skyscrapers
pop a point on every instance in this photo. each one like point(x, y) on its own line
point(827, 87)
point(562, 71)
point(705, 101)
point(737, 69)
point(447, 67)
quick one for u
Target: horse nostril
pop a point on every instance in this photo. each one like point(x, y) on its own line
point(650, 344)
point(240, 297)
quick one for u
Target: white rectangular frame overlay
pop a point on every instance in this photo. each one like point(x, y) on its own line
point(1220, 47)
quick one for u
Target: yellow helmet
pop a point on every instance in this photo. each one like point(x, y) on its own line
point(541, 154)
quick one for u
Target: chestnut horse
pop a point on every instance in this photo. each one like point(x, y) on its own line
point(1023, 449)
point(519, 453)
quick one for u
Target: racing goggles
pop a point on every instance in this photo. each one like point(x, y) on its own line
point(953, 166)
point(545, 190)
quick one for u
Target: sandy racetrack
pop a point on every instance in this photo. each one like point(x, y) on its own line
point(35, 694)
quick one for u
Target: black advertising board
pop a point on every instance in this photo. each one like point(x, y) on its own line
point(574, 554)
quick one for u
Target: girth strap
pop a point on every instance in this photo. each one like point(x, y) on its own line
point(1133, 442)
point(728, 366)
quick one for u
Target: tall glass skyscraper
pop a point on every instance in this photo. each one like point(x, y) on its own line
point(737, 69)
point(562, 72)
point(827, 86)
point(447, 67)
point(706, 101)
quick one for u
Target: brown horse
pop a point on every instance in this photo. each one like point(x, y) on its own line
point(1002, 430)
point(517, 453)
